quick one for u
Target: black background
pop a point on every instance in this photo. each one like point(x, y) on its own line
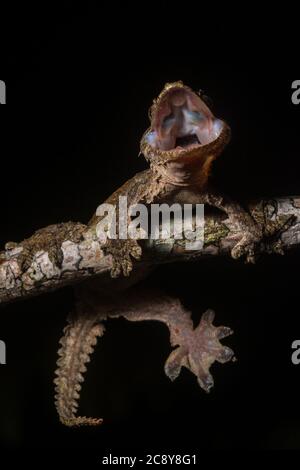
point(77, 99)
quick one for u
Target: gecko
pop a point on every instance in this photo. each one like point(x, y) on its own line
point(180, 145)
point(183, 140)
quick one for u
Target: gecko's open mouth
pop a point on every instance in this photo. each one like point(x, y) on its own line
point(181, 120)
point(187, 140)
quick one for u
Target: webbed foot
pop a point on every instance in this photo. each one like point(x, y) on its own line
point(123, 252)
point(198, 350)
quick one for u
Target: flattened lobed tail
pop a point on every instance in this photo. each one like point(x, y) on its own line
point(78, 342)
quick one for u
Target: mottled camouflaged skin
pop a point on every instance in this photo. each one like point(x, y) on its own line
point(159, 184)
point(197, 348)
point(47, 239)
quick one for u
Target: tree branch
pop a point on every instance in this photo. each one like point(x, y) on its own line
point(25, 273)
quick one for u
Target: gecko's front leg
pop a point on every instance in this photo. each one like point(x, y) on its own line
point(248, 245)
point(142, 188)
point(251, 231)
point(123, 253)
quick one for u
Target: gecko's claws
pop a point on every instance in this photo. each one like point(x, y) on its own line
point(198, 350)
point(275, 247)
point(247, 248)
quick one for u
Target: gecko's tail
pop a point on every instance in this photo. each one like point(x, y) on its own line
point(80, 337)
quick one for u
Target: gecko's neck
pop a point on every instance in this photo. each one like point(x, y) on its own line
point(189, 172)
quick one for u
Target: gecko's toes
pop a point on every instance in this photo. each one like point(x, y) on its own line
point(123, 252)
point(251, 256)
point(136, 251)
point(10, 245)
point(198, 350)
point(115, 270)
point(121, 266)
point(175, 361)
point(247, 248)
point(223, 332)
point(126, 266)
point(275, 247)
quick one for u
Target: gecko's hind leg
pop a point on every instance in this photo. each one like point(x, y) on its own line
point(197, 348)
point(77, 343)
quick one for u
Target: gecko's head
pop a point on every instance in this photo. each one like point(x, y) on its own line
point(182, 128)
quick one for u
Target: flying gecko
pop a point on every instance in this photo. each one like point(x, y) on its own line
point(182, 142)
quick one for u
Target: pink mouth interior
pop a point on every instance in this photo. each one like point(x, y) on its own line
point(183, 120)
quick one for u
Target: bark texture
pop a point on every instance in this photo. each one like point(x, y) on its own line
point(65, 254)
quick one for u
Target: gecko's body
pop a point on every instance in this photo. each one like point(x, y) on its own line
point(182, 142)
